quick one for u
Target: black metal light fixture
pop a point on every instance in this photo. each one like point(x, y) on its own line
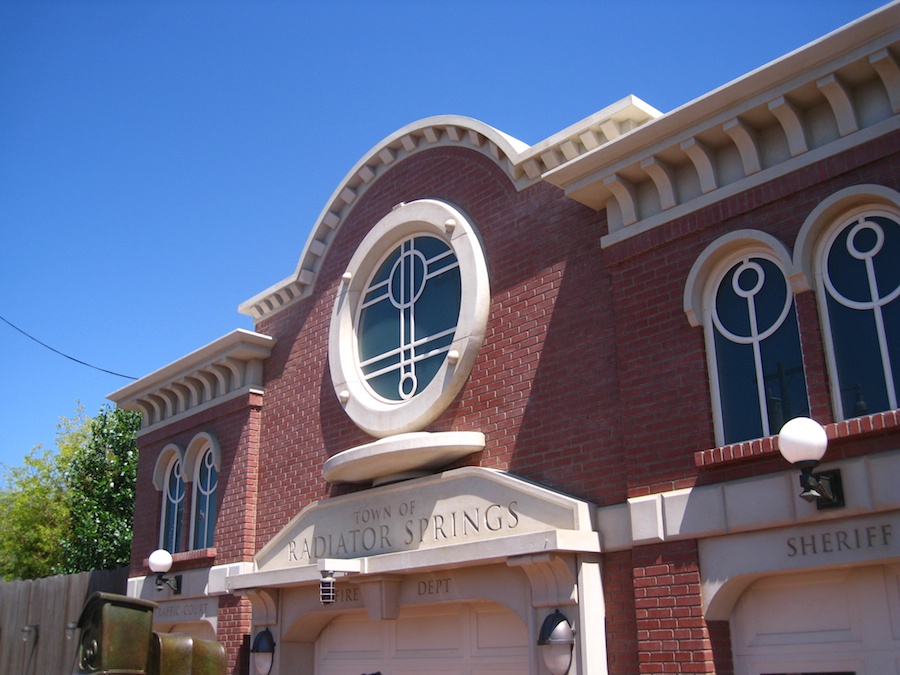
point(263, 651)
point(556, 639)
point(160, 562)
point(803, 441)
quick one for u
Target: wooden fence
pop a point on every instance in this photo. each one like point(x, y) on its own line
point(34, 615)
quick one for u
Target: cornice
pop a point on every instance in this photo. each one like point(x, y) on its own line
point(647, 168)
point(833, 94)
point(523, 165)
point(225, 368)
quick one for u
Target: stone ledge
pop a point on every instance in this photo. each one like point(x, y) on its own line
point(187, 559)
point(858, 427)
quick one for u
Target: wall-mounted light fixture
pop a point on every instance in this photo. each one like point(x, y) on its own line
point(329, 568)
point(326, 588)
point(803, 441)
point(556, 639)
point(160, 562)
point(263, 651)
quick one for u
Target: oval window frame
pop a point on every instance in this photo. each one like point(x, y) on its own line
point(375, 415)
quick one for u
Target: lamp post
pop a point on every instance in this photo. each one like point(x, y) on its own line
point(803, 441)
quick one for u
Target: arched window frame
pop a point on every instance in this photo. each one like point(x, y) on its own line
point(203, 451)
point(170, 467)
point(829, 217)
point(700, 293)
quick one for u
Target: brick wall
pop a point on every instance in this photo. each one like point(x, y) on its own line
point(666, 413)
point(235, 424)
point(545, 415)
point(672, 634)
point(590, 380)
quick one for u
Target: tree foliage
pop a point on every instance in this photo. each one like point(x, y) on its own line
point(101, 477)
point(72, 510)
point(33, 517)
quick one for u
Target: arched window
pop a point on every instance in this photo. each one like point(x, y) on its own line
point(172, 507)
point(204, 519)
point(858, 279)
point(757, 381)
point(759, 366)
point(850, 245)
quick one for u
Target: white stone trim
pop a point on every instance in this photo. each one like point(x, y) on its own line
point(700, 290)
point(224, 369)
point(400, 456)
point(591, 159)
point(749, 505)
point(888, 70)
point(830, 215)
point(523, 165)
point(161, 468)
point(839, 97)
point(830, 210)
point(377, 416)
point(720, 253)
point(459, 555)
point(207, 581)
point(648, 222)
point(196, 449)
point(731, 563)
point(850, 77)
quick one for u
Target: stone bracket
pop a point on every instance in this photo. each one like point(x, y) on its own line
point(553, 581)
point(264, 602)
point(381, 595)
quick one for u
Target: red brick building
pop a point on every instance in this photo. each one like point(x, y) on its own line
point(509, 380)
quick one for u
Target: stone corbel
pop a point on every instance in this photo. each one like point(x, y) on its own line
point(886, 66)
point(553, 582)
point(663, 178)
point(791, 119)
point(704, 162)
point(265, 605)
point(381, 595)
point(626, 197)
point(744, 138)
point(838, 95)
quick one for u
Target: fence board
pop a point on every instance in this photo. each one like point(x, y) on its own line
point(50, 604)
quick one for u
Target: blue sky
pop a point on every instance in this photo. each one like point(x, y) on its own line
point(162, 162)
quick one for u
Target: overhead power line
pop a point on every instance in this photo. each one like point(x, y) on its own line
point(56, 351)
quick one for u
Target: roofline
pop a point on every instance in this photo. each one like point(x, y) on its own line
point(581, 157)
point(764, 82)
point(239, 343)
point(524, 165)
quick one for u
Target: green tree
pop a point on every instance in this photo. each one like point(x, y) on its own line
point(100, 480)
point(71, 510)
point(34, 514)
point(34, 517)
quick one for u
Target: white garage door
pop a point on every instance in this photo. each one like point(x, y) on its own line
point(465, 639)
point(840, 621)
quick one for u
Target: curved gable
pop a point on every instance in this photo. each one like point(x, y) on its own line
point(433, 132)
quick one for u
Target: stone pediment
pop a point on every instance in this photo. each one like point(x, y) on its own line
point(468, 514)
